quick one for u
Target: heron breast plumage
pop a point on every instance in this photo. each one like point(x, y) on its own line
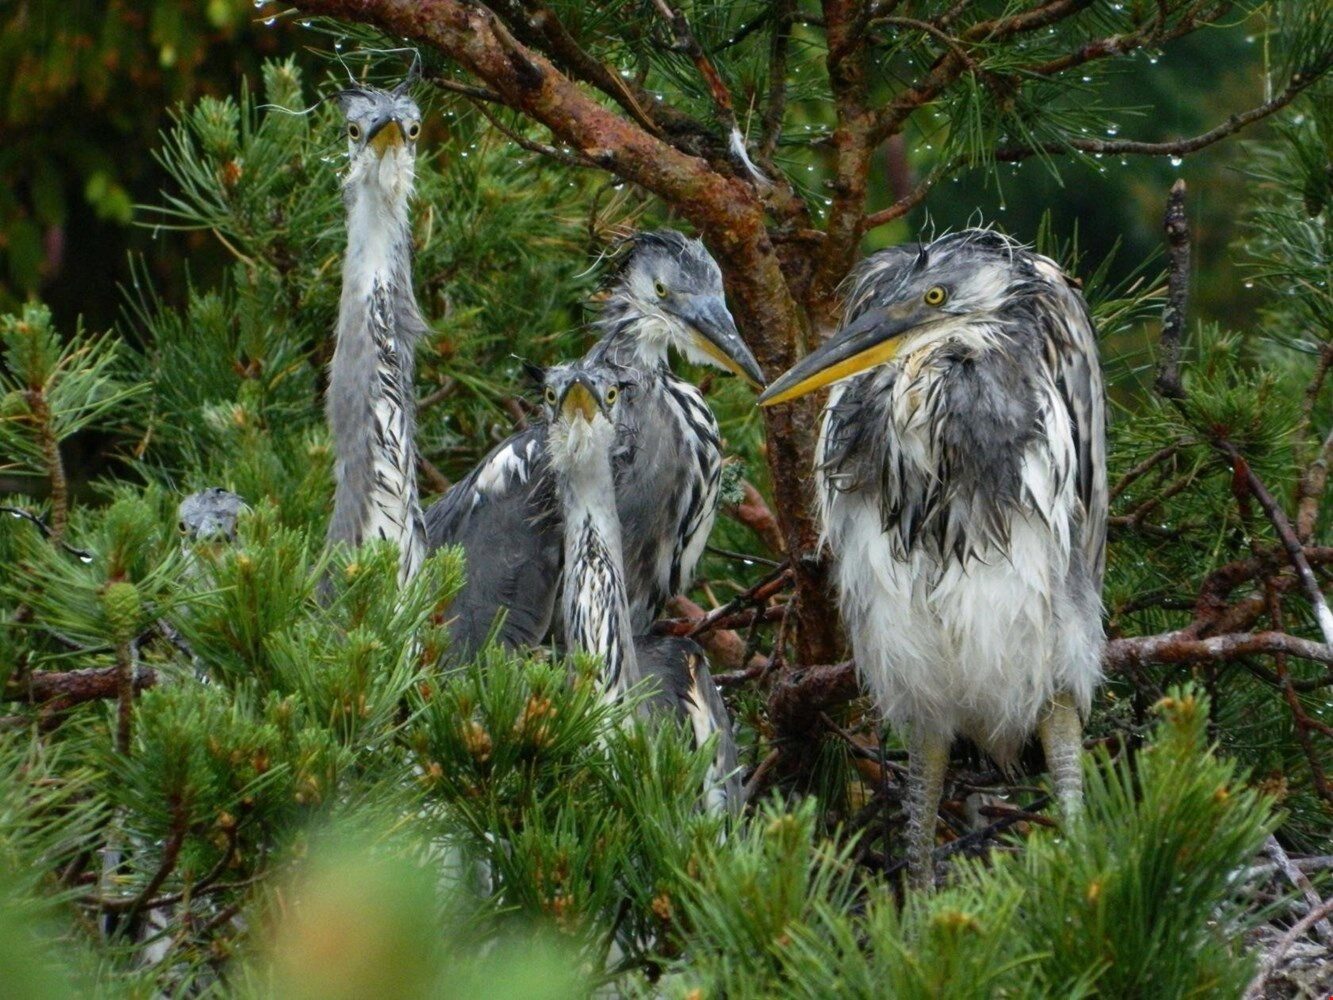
point(961, 576)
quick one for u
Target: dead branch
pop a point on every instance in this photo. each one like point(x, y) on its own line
point(1300, 881)
point(1275, 955)
point(1178, 289)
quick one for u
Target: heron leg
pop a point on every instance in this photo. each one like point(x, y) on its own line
point(1061, 733)
point(927, 760)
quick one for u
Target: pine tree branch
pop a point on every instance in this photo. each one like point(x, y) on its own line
point(1153, 35)
point(1244, 472)
point(55, 465)
point(717, 89)
point(853, 143)
point(910, 200)
point(1180, 647)
point(57, 691)
point(891, 118)
point(467, 90)
point(1298, 84)
point(775, 106)
point(1176, 225)
point(531, 145)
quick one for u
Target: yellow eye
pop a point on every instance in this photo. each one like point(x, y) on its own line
point(414, 130)
point(612, 394)
point(354, 132)
point(661, 290)
point(550, 395)
point(935, 295)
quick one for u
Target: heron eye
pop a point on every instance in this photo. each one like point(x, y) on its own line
point(354, 132)
point(550, 396)
point(935, 295)
point(181, 527)
point(413, 130)
point(612, 394)
point(661, 290)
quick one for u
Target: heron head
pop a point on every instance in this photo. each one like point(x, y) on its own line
point(905, 297)
point(210, 515)
point(582, 402)
point(675, 284)
point(382, 130)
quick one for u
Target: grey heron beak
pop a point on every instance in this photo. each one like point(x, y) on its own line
point(579, 402)
point(871, 340)
point(385, 134)
point(716, 335)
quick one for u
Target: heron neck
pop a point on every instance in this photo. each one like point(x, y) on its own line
point(594, 601)
point(630, 336)
point(370, 397)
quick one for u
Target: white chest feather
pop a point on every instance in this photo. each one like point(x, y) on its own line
point(970, 638)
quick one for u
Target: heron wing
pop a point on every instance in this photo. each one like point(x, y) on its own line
point(1071, 354)
point(503, 516)
point(685, 688)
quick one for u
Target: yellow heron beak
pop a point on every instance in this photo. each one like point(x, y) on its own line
point(578, 401)
point(873, 339)
point(388, 135)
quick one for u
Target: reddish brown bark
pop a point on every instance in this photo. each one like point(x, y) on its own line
point(59, 690)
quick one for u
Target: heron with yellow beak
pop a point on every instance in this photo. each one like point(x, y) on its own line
point(961, 477)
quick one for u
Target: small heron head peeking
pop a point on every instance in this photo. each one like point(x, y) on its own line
point(675, 286)
point(382, 130)
point(210, 515)
point(582, 404)
point(908, 297)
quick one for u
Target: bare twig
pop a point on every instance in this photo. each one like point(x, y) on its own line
point(1295, 552)
point(568, 158)
point(466, 89)
point(1300, 880)
point(1275, 954)
point(1175, 147)
point(759, 780)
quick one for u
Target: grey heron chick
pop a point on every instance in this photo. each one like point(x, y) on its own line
point(370, 403)
point(962, 488)
point(210, 515)
point(586, 405)
point(666, 297)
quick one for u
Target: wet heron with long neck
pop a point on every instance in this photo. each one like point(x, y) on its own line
point(588, 406)
point(666, 297)
point(370, 403)
point(962, 486)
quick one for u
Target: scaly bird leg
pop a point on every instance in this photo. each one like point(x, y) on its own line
point(1061, 733)
point(927, 760)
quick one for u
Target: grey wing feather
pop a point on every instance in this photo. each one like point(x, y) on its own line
point(685, 688)
point(1078, 376)
point(502, 515)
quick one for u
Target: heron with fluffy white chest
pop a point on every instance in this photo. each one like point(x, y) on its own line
point(962, 489)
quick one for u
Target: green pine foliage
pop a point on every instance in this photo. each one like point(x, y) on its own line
point(324, 811)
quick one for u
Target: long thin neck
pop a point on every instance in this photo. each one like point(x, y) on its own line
point(371, 409)
point(629, 336)
point(594, 601)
